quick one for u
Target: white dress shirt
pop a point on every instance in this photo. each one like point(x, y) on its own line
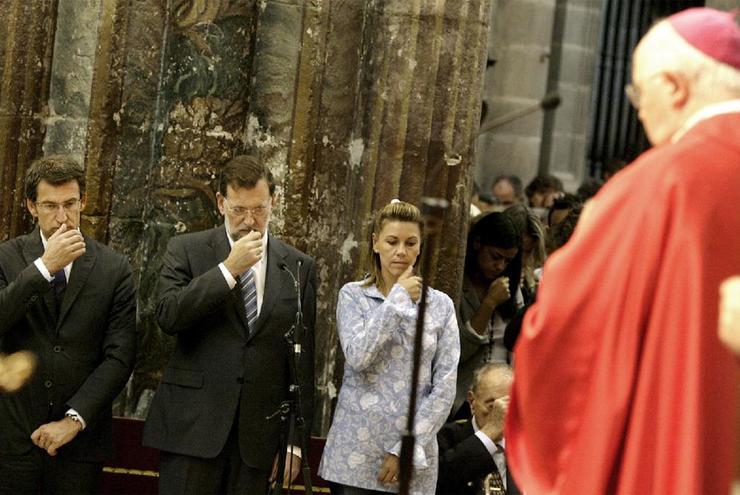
point(495, 449)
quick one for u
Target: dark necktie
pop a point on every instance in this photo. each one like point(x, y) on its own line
point(60, 285)
point(249, 296)
point(493, 484)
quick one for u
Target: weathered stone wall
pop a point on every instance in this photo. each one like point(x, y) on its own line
point(523, 45)
point(578, 53)
point(352, 103)
point(723, 4)
point(26, 42)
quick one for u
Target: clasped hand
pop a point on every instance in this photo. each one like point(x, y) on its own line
point(494, 427)
point(411, 283)
point(244, 253)
point(498, 291)
point(56, 434)
point(62, 248)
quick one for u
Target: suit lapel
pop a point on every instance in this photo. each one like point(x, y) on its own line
point(220, 248)
point(273, 281)
point(33, 249)
point(81, 269)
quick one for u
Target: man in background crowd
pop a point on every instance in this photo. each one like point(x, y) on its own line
point(472, 452)
point(507, 191)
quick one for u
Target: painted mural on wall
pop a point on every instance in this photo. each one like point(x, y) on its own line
point(202, 116)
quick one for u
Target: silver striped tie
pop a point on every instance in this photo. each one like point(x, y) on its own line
point(249, 296)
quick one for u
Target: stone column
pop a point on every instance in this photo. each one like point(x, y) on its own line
point(75, 40)
point(26, 40)
point(352, 103)
point(390, 110)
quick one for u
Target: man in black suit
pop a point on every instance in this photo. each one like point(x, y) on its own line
point(228, 295)
point(471, 452)
point(71, 301)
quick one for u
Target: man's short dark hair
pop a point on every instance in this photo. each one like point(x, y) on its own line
point(54, 169)
point(560, 233)
point(245, 171)
point(543, 184)
point(565, 202)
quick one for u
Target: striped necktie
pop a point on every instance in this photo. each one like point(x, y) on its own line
point(249, 297)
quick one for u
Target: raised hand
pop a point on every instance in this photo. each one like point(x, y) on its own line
point(498, 291)
point(411, 283)
point(62, 248)
point(244, 253)
point(494, 427)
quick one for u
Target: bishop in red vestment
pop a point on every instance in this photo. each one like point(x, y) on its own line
point(622, 385)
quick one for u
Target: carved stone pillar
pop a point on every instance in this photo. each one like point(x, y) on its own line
point(387, 105)
point(26, 41)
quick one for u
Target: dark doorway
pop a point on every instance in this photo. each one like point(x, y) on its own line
point(615, 132)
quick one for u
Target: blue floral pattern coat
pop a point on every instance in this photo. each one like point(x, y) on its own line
point(377, 337)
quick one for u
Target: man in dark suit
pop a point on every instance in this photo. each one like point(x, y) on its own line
point(228, 295)
point(471, 452)
point(71, 301)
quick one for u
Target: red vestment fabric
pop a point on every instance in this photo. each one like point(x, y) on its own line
point(621, 383)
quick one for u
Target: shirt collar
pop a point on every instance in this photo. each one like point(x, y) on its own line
point(371, 291)
point(723, 107)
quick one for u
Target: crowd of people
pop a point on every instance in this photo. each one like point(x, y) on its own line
point(613, 338)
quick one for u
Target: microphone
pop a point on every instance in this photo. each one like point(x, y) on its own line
point(299, 313)
point(549, 102)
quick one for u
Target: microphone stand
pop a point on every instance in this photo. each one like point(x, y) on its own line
point(433, 211)
point(291, 411)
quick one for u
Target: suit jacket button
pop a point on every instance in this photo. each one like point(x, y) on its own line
point(240, 380)
point(34, 298)
point(48, 384)
point(57, 348)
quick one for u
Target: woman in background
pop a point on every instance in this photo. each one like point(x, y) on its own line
point(490, 298)
point(376, 322)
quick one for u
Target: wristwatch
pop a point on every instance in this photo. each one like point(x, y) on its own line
point(76, 418)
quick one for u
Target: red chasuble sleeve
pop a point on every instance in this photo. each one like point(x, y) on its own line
point(621, 384)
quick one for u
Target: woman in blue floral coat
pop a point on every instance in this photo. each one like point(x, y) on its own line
point(376, 321)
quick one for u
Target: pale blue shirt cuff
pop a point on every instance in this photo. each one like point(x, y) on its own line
point(42, 268)
point(230, 280)
point(72, 412)
point(487, 442)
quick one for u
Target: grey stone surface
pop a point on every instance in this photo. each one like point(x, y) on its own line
point(520, 42)
point(75, 40)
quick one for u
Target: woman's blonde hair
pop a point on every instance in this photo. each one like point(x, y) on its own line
point(398, 211)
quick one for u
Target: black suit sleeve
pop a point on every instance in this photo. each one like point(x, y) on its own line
point(183, 299)
point(462, 458)
point(118, 350)
point(19, 296)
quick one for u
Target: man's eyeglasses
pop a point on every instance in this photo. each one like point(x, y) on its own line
point(48, 207)
point(242, 211)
